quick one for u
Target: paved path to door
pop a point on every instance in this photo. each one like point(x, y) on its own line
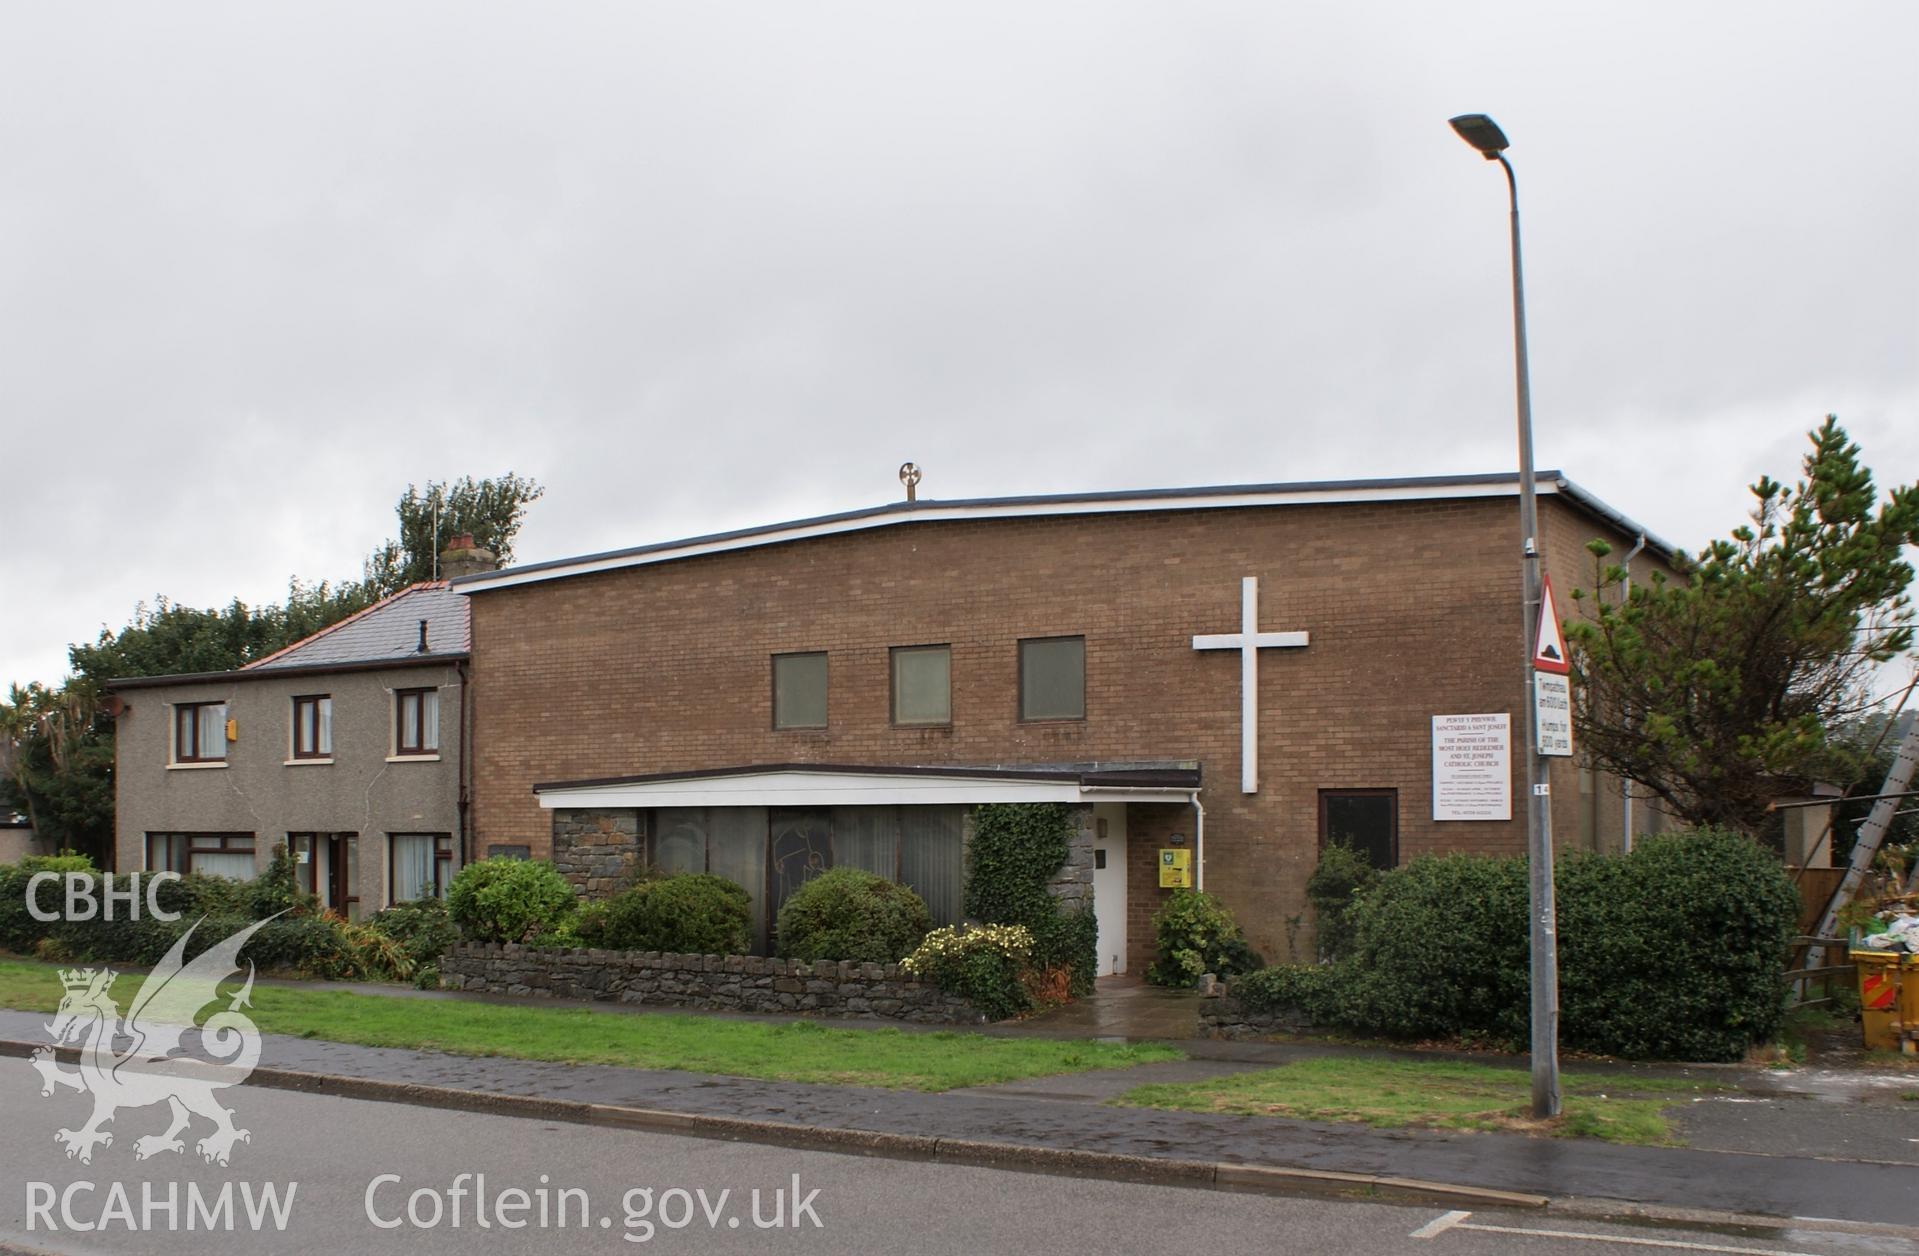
point(1122, 1007)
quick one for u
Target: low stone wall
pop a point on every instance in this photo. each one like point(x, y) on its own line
point(731, 983)
point(1223, 1016)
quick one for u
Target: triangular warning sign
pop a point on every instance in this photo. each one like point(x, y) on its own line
point(1549, 644)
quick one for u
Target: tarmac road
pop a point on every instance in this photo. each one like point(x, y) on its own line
point(351, 1170)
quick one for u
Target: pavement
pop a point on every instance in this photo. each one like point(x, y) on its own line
point(363, 1177)
point(1779, 1152)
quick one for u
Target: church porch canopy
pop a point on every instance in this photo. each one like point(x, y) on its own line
point(817, 784)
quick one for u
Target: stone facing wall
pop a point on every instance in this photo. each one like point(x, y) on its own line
point(730, 983)
point(1223, 1016)
point(1072, 885)
point(594, 850)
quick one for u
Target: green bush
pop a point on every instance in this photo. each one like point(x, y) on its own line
point(1195, 934)
point(849, 914)
point(508, 900)
point(1339, 878)
point(1439, 950)
point(1675, 951)
point(986, 964)
point(1015, 851)
point(1309, 991)
point(422, 930)
point(1068, 943)
point(276, 890)
point(693, 913)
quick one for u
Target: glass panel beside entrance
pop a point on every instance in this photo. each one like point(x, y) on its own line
point(771, 852)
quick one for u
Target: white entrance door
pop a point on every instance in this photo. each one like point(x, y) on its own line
point(1109, 884)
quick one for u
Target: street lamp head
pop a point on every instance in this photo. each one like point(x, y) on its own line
point(1482, 133)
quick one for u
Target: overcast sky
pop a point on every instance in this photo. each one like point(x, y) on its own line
point(703, 265)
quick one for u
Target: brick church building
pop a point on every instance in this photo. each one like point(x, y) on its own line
point(842, 690)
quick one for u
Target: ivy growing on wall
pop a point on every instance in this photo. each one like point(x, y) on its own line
point(1016, 850)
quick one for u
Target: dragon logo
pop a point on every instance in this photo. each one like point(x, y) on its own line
point(149, 1058)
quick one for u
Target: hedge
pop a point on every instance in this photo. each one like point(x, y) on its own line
point(1674, 951)
point(299, 939)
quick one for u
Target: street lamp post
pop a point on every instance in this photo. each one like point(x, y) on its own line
point(1484, 134)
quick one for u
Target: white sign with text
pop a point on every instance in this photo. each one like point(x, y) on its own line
point(1472, 767)
point(1553, 713)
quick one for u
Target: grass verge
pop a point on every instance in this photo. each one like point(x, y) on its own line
point(797, 1051)
point(1432, 1094)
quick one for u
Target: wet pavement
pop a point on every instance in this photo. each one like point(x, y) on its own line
point(1068, 1112)
point(1122, 1007)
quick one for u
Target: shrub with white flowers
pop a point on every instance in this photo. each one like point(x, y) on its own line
point(986, 964)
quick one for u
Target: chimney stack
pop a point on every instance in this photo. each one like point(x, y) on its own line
point(462, 557)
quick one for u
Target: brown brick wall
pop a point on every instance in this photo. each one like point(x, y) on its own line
point(1413, 607)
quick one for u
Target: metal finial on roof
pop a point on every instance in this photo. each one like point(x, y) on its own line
point(910, 477)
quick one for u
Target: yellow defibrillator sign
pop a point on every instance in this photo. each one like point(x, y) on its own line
point(1175, 869)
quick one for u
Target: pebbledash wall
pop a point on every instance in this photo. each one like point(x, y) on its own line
point(1413, 606)
point(734, 983)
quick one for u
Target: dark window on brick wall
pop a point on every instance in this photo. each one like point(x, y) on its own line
point(1365, 819)
point(1052, 678)
point(923, 684)
point(799, 690)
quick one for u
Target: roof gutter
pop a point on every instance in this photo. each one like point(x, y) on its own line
point(1646, 540)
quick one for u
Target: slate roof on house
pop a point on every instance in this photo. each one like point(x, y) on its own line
point(387, 630)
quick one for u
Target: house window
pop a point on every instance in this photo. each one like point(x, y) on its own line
point(799, 690)
point(227, 855)
point(1367, 820)
point(419, 866)
point(1052, 678)
point(313, 727)
point(199, 732)
point(923, 684)
point(416, 717)
point(167, 852)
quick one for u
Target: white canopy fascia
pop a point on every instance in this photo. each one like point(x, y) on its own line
point(827, 789)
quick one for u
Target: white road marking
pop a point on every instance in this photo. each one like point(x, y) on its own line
point(1440, 1224)
point(1457, 1221)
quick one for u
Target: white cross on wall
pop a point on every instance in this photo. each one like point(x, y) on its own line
point(1249, 641)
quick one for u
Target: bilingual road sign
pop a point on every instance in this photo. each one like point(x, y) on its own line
point(1549, 644)
point(1553, 714)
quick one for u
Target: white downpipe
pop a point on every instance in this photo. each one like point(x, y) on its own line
point(1199, 843)
point(1625, 785)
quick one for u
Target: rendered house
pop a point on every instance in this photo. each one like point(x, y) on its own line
point(348, 746)
point(1220, 678)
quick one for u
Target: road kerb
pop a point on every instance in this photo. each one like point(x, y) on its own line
point(1019, 1157)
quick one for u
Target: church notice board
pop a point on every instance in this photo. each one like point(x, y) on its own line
point(1472, 767)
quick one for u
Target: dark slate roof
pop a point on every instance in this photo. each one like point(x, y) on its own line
point(386, 631)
